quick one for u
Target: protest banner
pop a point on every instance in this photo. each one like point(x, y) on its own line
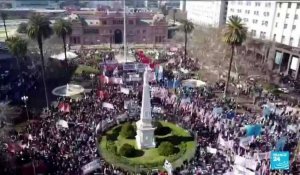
point(124, 90)
point(92, 166)
point(107, 105)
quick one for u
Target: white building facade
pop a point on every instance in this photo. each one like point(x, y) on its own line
point(286, 28)
point(257, 15)
point(209, 13)
point(276, 21)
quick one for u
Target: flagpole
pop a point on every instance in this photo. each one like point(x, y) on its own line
point(124, 23)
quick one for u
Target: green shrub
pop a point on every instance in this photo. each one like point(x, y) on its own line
point(161, 130)
point(128, 131)
point(112, 147)
point(157, 125)
point(127, 150)
point(166, 149)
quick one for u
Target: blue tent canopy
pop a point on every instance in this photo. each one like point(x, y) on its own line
point(253, 130)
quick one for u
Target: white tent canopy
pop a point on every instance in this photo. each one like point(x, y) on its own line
point(61, 56)
point(193, 83)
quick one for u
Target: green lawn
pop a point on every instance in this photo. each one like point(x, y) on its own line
point(150, 158)
point(87, 69)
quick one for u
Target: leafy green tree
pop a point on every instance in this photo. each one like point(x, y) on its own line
point(17, 47)
point(4, 18)
point(128, 131)
point(39, 29)
point(174, 16)
point(235, 33)
point(166, 149)
point(164, 10)
point(127, 150)
point(22, 28)
point(62, 29)
point(187, 27)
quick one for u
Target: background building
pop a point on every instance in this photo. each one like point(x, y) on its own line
point(275, 21)
point(206, 13)
point(50, 4)
point(286, 28)
point(103, 27)
point(257, 15)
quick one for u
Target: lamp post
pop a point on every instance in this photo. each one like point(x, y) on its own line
point(92, 78)
point(25, 99)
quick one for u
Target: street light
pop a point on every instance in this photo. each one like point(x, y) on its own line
point(25, 99)
point(92, 77)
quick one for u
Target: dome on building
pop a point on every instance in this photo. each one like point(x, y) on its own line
point(158, 18)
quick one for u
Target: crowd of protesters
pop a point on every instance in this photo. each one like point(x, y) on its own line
point(66, 149)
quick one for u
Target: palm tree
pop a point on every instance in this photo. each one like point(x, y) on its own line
point(4, 18)
point(39, 29)
point(164, 10)
point(62, 29)
point(174, 16)
point(18, 47)
point(187, 27)
point(234, 34)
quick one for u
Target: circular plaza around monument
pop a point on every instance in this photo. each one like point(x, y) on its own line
point(114, 141)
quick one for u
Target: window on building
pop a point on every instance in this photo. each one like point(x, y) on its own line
point(291, 41)
point(254, 21)
point(232, 10)
point(239, 11)
point(287, 15)
point(130, 22)
point(248, 3)
point(91, 31)
point(298, 5)
point(278, 14)
point(282, 39)
point(104, 22)
point(276, 24)
point(245, 19)
point(240, 3)
point(296, 16)
point(266, 23)
point(285, 26)
point(294, 27)
point(253, 33)
point(261, 35)
point(266, 13)
point(280, 4)
point(256, 12)
point(257, 4)
point(289, 5)
point(268, 4)
point(274, 37)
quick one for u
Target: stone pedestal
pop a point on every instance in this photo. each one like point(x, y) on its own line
point(145, 136)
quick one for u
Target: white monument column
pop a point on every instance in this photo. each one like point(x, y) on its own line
point(145, 131)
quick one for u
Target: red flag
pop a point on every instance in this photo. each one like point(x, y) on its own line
point(61, 107)
point(67, 108)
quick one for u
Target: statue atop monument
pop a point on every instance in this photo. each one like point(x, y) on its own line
point(145, 130)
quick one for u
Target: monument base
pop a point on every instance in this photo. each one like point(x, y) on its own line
point(145, 136)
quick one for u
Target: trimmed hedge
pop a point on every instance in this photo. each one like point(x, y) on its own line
point(127, 150)
point(128, 131)
point(166, 149)
point(160, 130)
